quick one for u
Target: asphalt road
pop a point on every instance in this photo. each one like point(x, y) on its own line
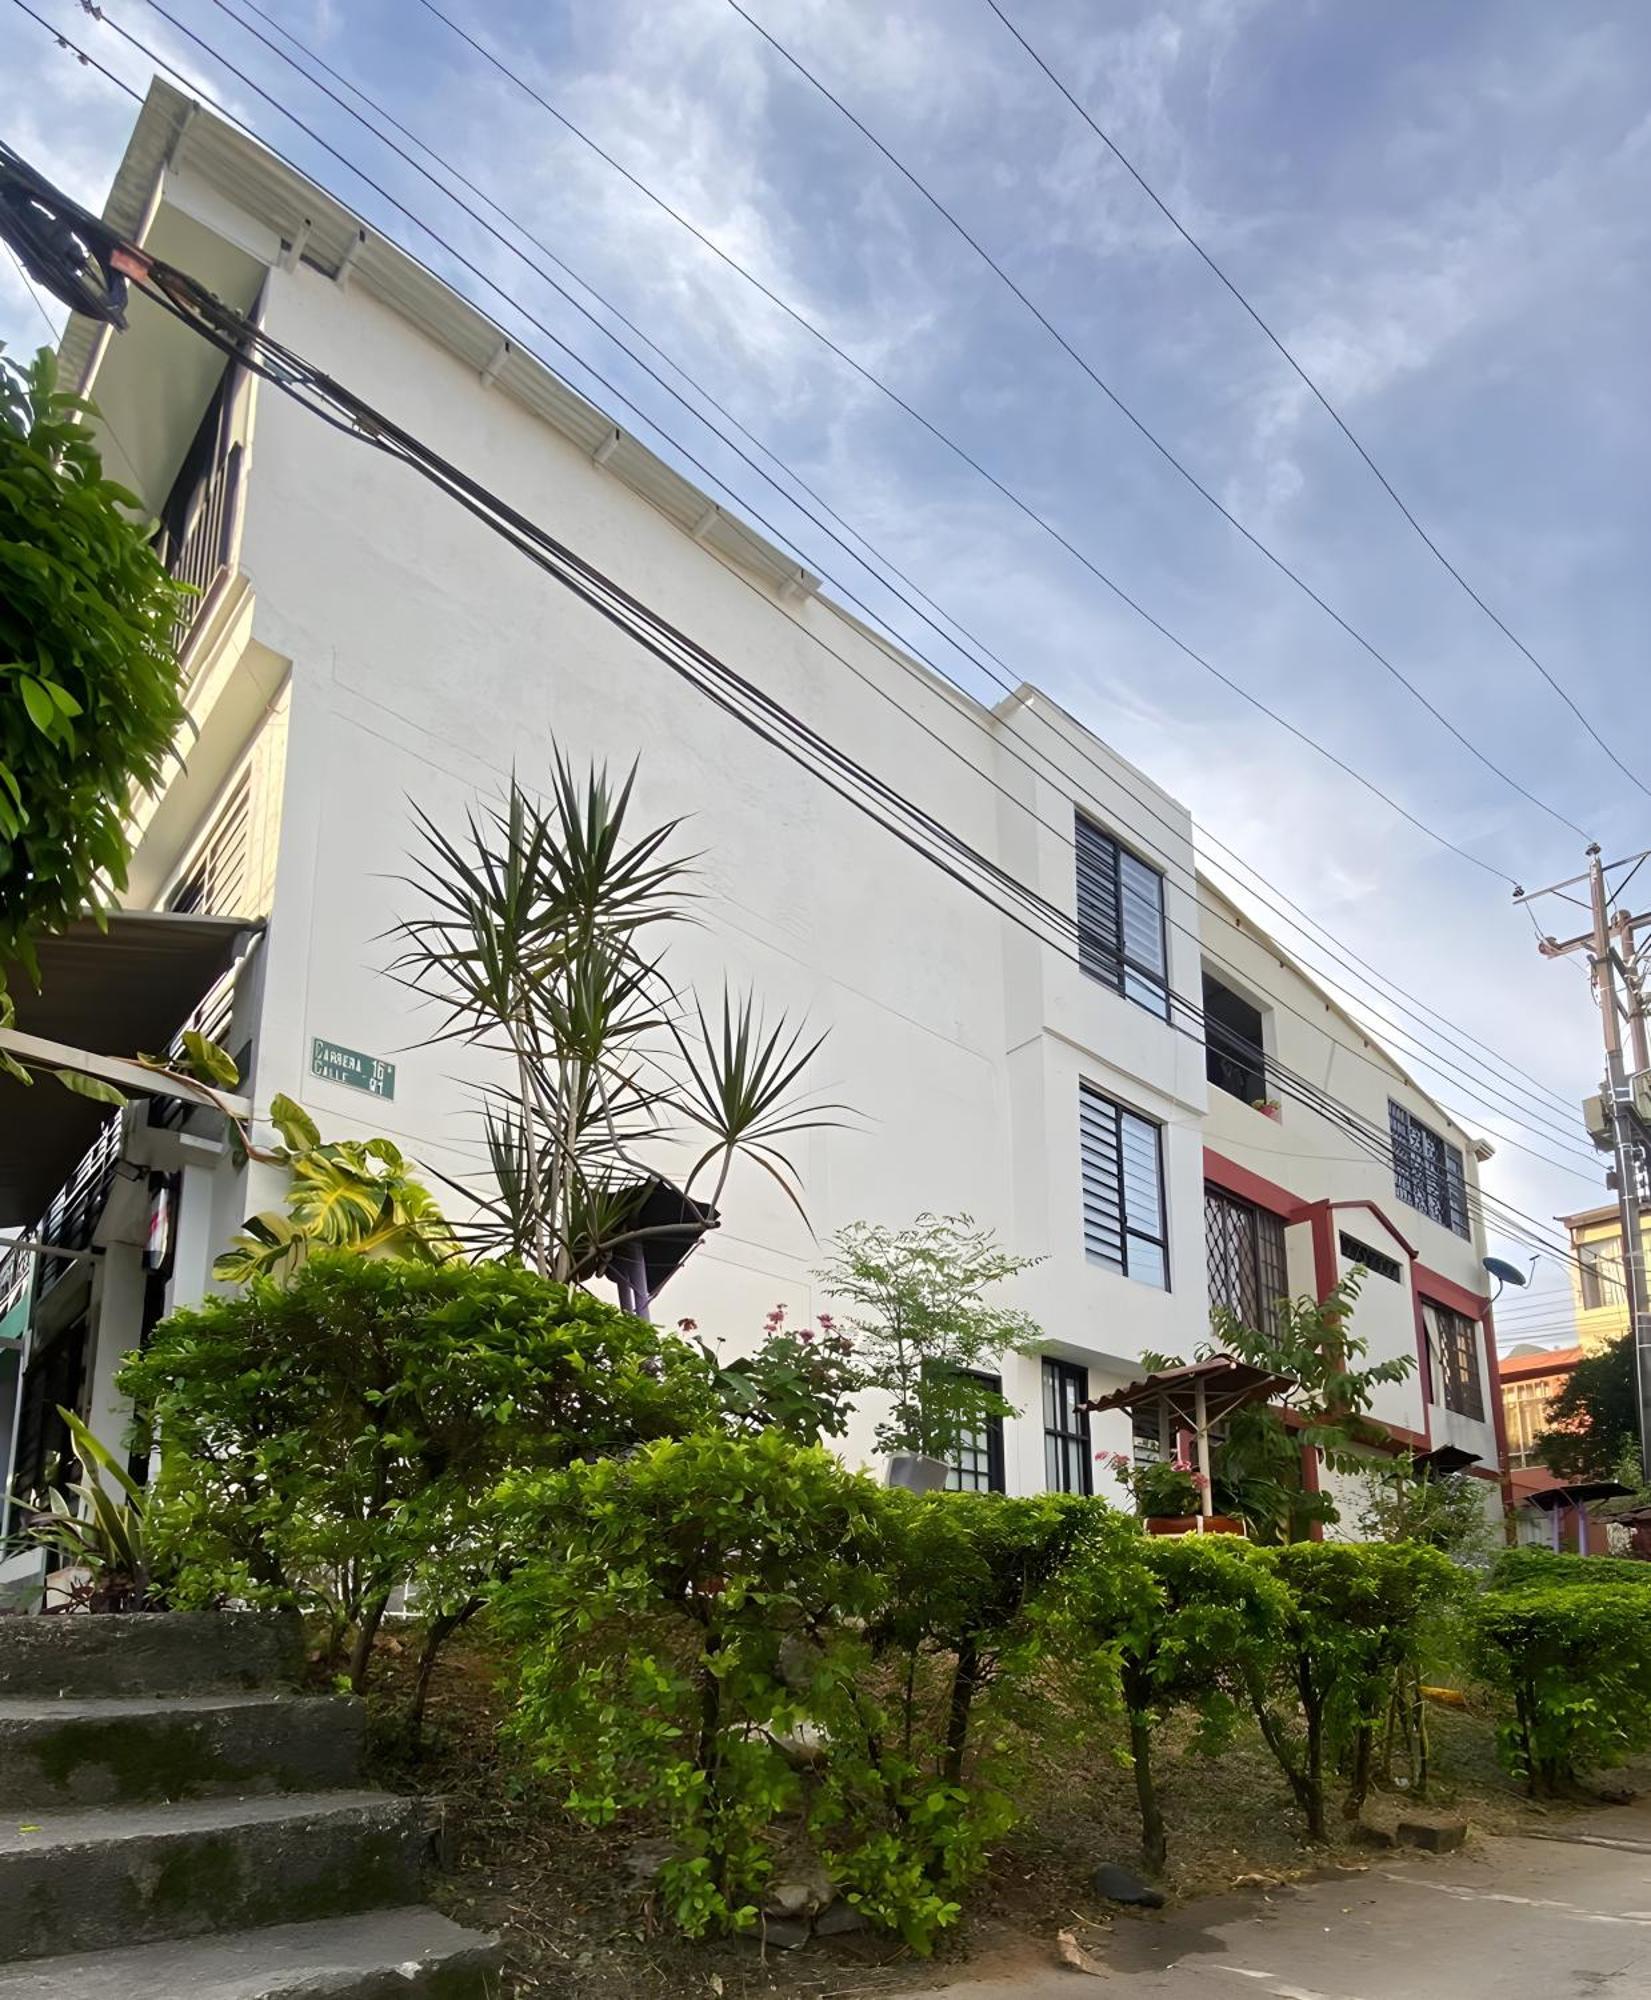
point(1518, 1919)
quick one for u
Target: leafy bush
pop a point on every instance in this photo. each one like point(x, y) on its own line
point(708, 1629)
point(1356, 1618)
point(329, 1441)
point(801, 1383)
point(1159, 1625)
point(1574, 1659)
point(99, 1533)
point(89, 696)
point(1519, 1569)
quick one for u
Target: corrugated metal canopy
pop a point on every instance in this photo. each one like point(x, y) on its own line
point(1227, 1382)
point(118, 992)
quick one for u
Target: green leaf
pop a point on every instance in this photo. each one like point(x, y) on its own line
point(93, 1087)
point(295, 1125)
point(208, 1063)
point(42, 709)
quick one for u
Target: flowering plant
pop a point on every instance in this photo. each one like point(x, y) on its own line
point(801, 1383)
point(1161, 1488)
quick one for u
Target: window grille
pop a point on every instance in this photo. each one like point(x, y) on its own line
point(1376, 1262)
point(1428, 1172)
point(215, 882)
point(1248, 1270)
point(1454, 1340)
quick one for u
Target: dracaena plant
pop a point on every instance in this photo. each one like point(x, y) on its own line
point(540, 937)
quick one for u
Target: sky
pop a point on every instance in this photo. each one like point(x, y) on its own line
point(1441, 212)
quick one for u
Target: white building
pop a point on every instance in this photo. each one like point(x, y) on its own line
point(363, 644)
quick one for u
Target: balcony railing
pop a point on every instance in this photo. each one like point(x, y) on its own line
point(198, 522)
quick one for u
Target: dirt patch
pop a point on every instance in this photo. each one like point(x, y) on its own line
point(578, 1925)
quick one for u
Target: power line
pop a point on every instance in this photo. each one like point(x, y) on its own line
point(1170, 458)
point(28, 282)
point(963, 454)
point(1312, 387)
point(1428, 1057)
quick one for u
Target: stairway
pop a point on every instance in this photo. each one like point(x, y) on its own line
point(177, 1822)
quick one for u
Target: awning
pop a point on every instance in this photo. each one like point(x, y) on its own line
point(1227, 1384)
point(117, 992)
point(1578, 1494)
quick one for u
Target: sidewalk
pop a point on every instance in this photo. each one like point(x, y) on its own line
point(1521, 1919)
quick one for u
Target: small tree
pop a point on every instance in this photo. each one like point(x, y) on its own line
point(1326, 1407)
point(89, 695)
point(1593, 1423)
point(924, 1326)
point(536, 940)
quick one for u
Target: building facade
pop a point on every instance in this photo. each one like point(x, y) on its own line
point(1165, 1113)
point(1598, 1291)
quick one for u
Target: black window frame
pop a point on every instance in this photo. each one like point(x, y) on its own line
point(1234, 1061)
point(1239, 1232)
point(1458, 1367)
point(1377, 1262)
point(984, 1446)
point(1103, 867)
point(1064, 1385)
point(1429, 1173)
point(1105, 1187)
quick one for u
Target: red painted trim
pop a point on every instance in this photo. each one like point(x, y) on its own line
point(1493, 1384)
point(1326, 1251)
point(1234, 1179)
point(1445, 1291)
point(1385, 1220)
point(1310, 1484)
point(1424, 1360)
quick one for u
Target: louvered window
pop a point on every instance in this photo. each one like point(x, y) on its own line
point(215, 883)
point(1123, 1190)
point(1245, 1246)
point(1428, 1172)
point(1121, 920)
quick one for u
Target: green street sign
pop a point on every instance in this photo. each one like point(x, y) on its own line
point(337, 1064)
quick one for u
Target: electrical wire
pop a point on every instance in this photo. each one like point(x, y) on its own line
point(377, 428)
point(1313, 389)
point(28, 282)
point(1139, 424)
point(1425, 1056)
point(961, 452)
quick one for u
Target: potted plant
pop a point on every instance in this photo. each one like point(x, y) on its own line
point(1170, 1497)
point(1269, 1107)
point(924, 1334)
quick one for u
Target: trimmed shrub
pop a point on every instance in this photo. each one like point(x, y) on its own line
point(1522, 1569)
point(717, 1633)
point(1358, 1614)
point(1574, 1661)
point(324, 1442)
point(1159, 1625)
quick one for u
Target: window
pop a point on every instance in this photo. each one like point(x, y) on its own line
point(1123, 1190)
point(1427, 1171)
point(1066, 1461)
point(977, 1463)
point(1376, 1262)
point(1454, 1342)
point(1233, 1059)
point(1121, 920)
point(1245, 1247)
point(1601, 1274)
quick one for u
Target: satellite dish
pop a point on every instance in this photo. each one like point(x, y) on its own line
point(1506, 1273)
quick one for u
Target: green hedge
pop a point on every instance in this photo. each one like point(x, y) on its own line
point(1574, 1659)
point(1519, 1569)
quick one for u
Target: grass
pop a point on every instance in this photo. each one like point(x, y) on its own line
point(579, 1923)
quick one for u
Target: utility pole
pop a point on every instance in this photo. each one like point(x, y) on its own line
point(1625, 1098)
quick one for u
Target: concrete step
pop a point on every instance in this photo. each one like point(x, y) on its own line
point(166, 1652)
point(405, 1954)
point(96, 1878)
point(74, 1752)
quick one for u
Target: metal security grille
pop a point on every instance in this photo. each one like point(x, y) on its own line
point(1428, 1172)
point(1066, 1460)
point(1121, 1161)
point(215, 883)
point(977, 1464)
point(1455, 1343)
point(1248, 1269)
point(1121, 920)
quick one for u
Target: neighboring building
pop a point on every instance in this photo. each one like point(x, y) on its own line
point(1531, 1378)
point(1597, 1276)
point(362, 643)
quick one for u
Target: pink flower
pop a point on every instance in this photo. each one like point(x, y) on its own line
point(687, 1326)
point(827, 1323)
